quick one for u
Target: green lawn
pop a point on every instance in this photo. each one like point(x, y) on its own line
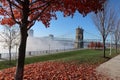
point(79, 56)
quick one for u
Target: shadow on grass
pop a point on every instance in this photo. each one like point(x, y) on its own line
point(108, 58)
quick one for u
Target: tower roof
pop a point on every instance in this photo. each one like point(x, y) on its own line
point(80, 28)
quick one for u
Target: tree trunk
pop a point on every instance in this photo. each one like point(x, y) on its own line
point(21, 54)
point(104, 48)
point(116, 47)
point(10, 54)
point(24, 35)
point(10, 43)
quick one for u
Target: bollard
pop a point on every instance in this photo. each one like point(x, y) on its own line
point(0, 56)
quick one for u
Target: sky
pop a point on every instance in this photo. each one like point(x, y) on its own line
point(65, 27)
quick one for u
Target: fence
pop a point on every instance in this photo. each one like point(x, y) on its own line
point(14, 55)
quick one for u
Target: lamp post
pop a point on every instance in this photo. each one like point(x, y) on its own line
point(64, 46)
point(110, 42)
point(49, 48)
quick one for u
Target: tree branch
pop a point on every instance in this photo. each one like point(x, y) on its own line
point(33, 2)
point(3, 37)
point(16, 5)
point(45, 3)
point(38, 7)
point(12, 14)
point(35, 18)
point(37, 1)
point(19, 1)
point(31, 24)
point(5, 11)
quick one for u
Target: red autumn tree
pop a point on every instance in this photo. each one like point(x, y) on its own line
point(26, 12)
point(99, 45)
point(95, 45)
point(91, 45)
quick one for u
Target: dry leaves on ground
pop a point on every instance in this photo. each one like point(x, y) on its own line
point(54, 71)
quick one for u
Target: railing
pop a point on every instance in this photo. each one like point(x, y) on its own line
point(5, 56)
point(43, 52)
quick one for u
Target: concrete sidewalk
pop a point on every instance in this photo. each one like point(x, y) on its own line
point(110, 68)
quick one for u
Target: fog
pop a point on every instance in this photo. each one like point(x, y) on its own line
point(47, 43)
point(40, 44)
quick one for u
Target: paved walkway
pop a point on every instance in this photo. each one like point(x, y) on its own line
point(111, 68)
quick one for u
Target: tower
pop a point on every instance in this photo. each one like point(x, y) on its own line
point(79, 38)
point(51, 36)
point(31, 32)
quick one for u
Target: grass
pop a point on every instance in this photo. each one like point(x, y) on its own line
point(79, 56)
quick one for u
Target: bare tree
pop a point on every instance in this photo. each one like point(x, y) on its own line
point(10, 37)
point(116, 34)
point(104, 21)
